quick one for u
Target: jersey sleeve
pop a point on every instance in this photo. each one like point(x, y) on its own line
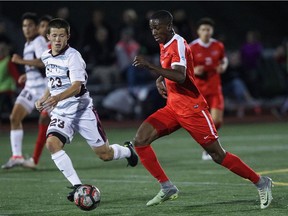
point(178, 55)
point(40, 46)
point(76, 66)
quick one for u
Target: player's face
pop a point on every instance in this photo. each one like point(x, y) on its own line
point(205, 32)
point(160, 31)
point(29, 29)
point(58, 38)
point(43, 27)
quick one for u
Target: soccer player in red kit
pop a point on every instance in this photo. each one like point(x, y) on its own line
point(185, 108)
point(209, 62)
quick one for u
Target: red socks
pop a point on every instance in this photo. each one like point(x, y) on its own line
point(41, 140)
point(151, 163)
point(231, 162)
point(237, 166)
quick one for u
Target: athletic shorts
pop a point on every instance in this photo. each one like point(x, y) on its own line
point(28, 97)
point(86, 123)
point(199, 125)
point(215, 101)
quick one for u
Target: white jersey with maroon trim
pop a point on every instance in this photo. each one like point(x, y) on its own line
point(33, 50)
point(61, 71)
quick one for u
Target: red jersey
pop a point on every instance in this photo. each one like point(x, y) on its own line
point(209, 55)
point(184, 99)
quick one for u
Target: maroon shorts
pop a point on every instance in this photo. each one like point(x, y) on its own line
point(199, 125)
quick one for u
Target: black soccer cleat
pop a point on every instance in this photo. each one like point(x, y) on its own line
point(133, 159)
point(70, 195)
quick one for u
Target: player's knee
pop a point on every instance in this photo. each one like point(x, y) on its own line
point(53, 146)
point(13, 119)
point(217, 157)
point(141, 140)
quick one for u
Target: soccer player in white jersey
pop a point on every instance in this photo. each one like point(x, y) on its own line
point(34, 85)
point(72, 107)
point(44, 118)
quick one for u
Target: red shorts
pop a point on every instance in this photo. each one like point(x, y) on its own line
point(215, 101)
point(199, 125)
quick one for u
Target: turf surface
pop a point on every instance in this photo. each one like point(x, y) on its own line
point(206, 188)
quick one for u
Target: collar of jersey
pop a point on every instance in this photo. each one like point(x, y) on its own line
point(171, 40)
point(61, 52)
point(32, 39)
point(201, 43)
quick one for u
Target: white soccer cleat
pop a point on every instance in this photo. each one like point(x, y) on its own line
point(29, 163)
point(13, 162)
point(265, 193)
point(164, 195)
point(206, 156)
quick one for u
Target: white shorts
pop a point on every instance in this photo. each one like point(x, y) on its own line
point(28, 97)
point(86, 122)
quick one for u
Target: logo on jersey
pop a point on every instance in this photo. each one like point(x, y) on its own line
point(165, 54)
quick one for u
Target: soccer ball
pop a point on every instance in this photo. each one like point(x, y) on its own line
point(87, 197)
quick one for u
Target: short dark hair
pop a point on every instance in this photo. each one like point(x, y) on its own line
point(206, 21)
point(30, 16)
point(163, 15)
point(46, 18)
point(59, 23)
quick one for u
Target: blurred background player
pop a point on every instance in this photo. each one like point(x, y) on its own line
point(209, 62)
point(72, 107)
point(44, 118)
point(9, 76)
point(185, 108)
point(34, 85)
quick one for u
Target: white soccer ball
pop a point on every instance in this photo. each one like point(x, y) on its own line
point(87, 197)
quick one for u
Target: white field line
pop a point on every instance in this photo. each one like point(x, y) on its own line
point(122, 181)
point(183, 183)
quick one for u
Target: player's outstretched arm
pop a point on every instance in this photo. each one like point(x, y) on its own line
point(34, 62)
point(73, 90)
point(223, 65)
point(176, 74)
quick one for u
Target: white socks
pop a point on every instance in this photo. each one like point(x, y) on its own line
point(16, 137)
point(120, 152)
point(64, 164)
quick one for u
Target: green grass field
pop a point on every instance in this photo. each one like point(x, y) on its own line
point(206, 188)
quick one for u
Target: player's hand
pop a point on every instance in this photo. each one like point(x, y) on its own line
point(220, 69)
point(22, 79)
point(140, 61)
point(51, 102)
point(16, 59)
point(199, 70)
point(39, 104)
point(161, 87)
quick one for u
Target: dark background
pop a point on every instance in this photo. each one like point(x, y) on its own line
point(233, 19)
